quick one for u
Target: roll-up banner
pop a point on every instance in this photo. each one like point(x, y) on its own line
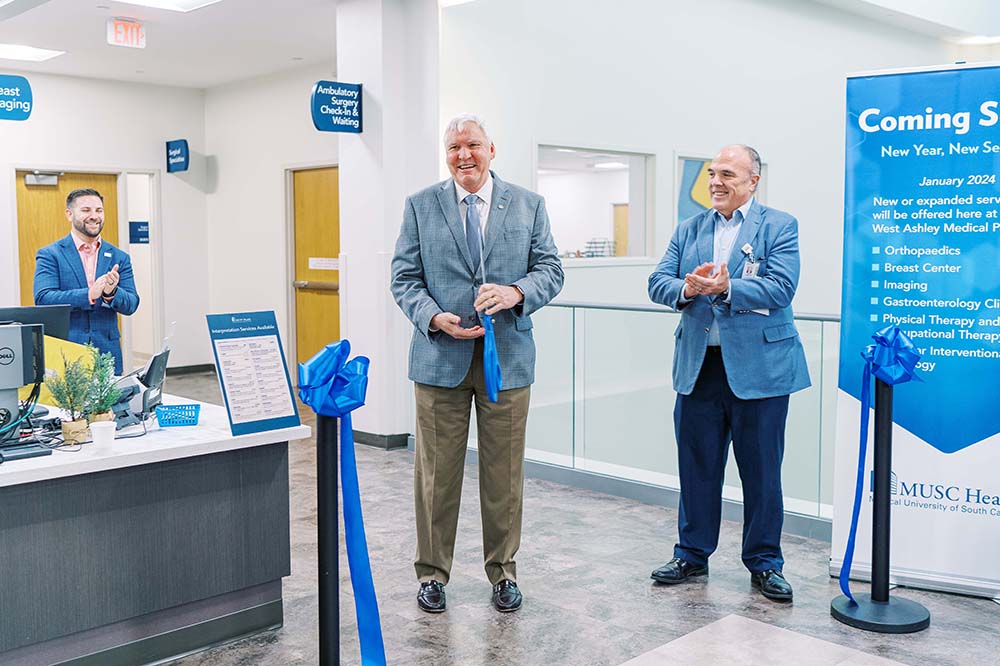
point(922, 252)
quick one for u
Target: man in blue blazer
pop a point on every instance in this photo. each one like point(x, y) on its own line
point(470, 244)
point(731, 272)
point(88, 273)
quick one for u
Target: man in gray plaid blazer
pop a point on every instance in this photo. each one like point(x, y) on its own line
point(471, 244)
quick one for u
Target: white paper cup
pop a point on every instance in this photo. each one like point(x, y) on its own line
point(103, 433)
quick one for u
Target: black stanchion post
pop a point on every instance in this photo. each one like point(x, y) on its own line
point(878, 611)
point(329, 541)
point(882, 492)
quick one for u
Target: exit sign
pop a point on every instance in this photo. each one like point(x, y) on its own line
point(126, 32)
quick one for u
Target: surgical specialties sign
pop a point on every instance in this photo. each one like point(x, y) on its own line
point(336, 107)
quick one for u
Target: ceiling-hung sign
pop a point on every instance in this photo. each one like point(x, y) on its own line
point(336, 107)
point(126, 32)
point(15, 98)
point(178, 156)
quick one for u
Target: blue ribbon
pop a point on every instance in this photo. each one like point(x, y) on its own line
point(333, 386)
point(491, 361)
point(892, 359)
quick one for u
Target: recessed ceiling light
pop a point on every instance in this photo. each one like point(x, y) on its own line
point(29, 53)
point(610, 165)
point(172, 5)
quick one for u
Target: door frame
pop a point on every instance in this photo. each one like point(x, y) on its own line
point(288, 171)
point(121, 196)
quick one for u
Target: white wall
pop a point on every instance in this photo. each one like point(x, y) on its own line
point(657, 77)
point(143, 327)
point(579, 205)
point(91, 125)
point(254, 131)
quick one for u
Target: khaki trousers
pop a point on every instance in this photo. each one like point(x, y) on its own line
point(442, 438)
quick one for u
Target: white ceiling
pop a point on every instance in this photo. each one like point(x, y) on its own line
point(953, 20)
point(234, 40)
point(222, 43)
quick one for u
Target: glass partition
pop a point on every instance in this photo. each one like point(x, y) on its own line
point(603, 400)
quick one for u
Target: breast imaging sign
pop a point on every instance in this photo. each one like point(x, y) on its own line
point(16, 100)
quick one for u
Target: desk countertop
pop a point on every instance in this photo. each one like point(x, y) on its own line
point(211, 435)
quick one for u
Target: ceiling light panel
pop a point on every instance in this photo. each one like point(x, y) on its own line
point(28, 53)
point(172, 5)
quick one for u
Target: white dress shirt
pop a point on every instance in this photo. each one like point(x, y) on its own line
point(726, 233)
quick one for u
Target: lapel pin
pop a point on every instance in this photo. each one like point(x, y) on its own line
point(107, 254)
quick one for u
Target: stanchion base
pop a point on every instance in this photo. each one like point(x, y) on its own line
point(897, 616)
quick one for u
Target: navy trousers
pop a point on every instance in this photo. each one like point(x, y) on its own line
point(705, 422)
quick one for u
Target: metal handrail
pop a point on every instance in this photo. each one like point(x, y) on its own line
point(650, 307)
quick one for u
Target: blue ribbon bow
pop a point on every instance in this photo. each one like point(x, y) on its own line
point(333, 386)
point(892, 359)
point(491, 361)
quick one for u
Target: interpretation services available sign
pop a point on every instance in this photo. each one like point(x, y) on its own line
point(922, 252)
point(252, 372)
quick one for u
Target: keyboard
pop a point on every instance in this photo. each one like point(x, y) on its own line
point(18, 451)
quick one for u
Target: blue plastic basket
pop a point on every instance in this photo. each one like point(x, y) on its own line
point(169, 416)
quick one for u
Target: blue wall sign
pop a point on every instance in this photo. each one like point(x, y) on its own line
point(178, 157)
point(16, 100)
point(252, 372)
point(138, 233)
point(336, 107)
point(922, 243)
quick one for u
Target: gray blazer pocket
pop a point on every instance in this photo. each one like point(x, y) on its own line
point(522, 323)
point(782, 332)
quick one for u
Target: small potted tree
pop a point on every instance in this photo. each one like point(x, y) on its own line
point(70, 391)
point(104, 393)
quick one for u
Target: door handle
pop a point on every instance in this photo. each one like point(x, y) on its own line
point(318, 286)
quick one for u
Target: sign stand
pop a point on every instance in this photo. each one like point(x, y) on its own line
point(878, 611)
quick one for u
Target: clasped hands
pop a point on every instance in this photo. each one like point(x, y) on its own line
point(492, 298)
point(702, 282)
point(105, 285)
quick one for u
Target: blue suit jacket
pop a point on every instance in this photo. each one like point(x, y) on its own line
point(60, 280)
point(432, 272)
point(762, 354)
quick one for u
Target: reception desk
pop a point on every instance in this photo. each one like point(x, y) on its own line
point(155, 547)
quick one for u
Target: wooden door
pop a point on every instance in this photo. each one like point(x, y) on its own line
point(316, 197)
point(41, 218)
point(620, 215)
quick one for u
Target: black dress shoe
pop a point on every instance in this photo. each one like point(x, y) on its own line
point(506, 597)
point(431, 597)
point(677, 571)
point(772, 584)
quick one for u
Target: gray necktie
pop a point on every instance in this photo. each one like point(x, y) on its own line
point(472, 235)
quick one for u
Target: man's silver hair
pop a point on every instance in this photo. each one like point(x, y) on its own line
point(458, 123)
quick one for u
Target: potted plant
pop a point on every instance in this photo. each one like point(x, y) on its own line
point(70, 391)
point(104, 393)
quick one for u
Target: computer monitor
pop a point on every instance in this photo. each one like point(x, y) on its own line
point(55, 318)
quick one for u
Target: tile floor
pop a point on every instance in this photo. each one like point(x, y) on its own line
point(584, 569)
